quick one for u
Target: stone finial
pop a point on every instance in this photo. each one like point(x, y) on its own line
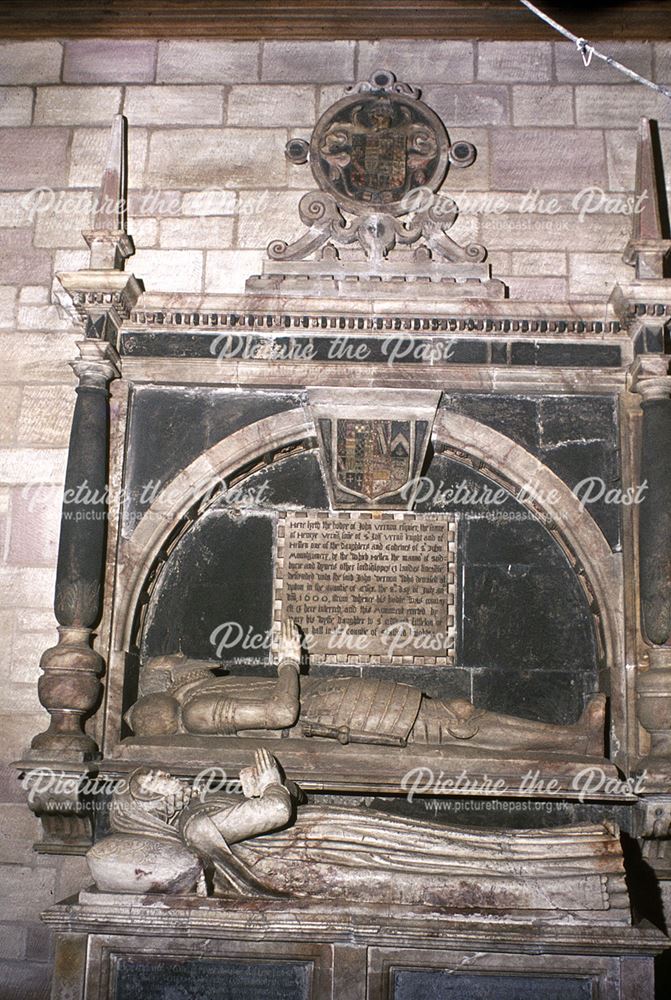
point(102, 295)
point(108, 241)
point(647, 250)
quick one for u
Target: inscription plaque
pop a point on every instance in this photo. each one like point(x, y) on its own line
point(445, 985)
point(368, 587)
point(203, 979)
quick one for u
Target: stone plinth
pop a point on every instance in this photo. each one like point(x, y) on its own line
point(312, 950)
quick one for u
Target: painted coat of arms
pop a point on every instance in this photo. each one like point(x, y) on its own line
point(373, 444)
point(371, 149)
point(373, 457)
point(375, 155)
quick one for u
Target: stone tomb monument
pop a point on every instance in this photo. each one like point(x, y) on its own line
point(359, 698)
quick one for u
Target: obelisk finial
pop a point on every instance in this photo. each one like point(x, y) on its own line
point(647, 249)
point(108, 240)
point(110, 212)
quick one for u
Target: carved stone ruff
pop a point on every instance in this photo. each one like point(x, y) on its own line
point(69, 688)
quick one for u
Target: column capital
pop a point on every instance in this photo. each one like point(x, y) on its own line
point(97, 364)
point(650, 377)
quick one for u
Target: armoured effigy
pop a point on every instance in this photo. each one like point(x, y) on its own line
point(348, 709)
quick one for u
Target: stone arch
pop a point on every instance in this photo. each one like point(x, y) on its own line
point(235, 452)
point(469, 441)
point(507, 462)
point(599, 569)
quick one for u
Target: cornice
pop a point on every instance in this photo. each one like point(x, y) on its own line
point(278, 314)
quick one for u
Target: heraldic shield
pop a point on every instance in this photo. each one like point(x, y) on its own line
point(373, 457)
point(372, 444)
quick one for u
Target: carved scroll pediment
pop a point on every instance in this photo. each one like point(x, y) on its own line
point(379, 156)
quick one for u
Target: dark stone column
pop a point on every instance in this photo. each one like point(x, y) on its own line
point(70, 687)
point(653, 382)
point(655, 508)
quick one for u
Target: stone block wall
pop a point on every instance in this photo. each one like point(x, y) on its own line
point(209, 187)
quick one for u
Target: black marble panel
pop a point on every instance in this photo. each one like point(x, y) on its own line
point(514, 416)
point(525, 642)
point(346, 346)
point(425, 984)
point(544, 354)
point(499, 353)
point(295, 480)
point(590, 468)
point(556, 696)
point(220, 572)
point(575, 436)
point(351, 347)
point(566, 419)
point(529, 615)
point(207, 979)
point(508, 541)
point(649, 339)
point(169, 427)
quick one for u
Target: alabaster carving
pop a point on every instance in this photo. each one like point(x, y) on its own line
point(349, 709)
point(169, 838)
point(379, 157)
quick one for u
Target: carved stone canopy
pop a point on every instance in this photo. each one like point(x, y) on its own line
point(380, 155)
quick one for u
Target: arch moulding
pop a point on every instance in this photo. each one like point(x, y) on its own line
point(599, 569)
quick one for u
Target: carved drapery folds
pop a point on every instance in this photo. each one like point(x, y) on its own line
point(171, 837)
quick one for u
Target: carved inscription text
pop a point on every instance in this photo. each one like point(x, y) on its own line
point(368, 587)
